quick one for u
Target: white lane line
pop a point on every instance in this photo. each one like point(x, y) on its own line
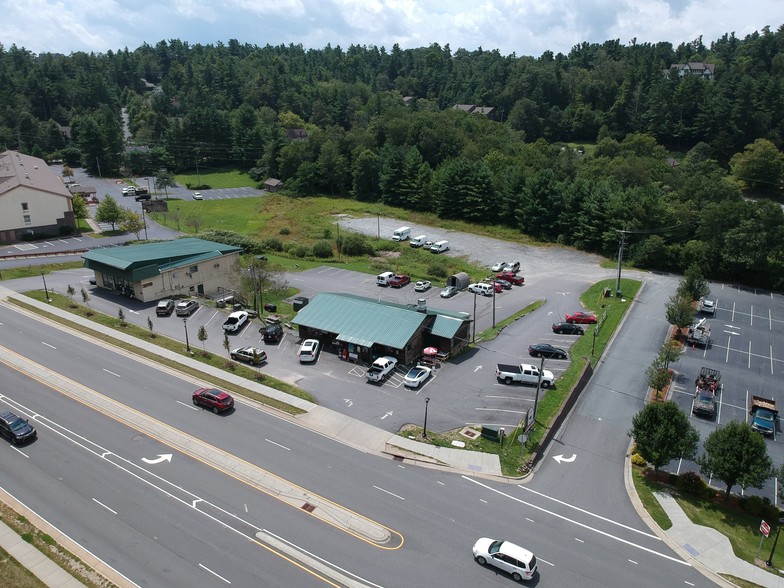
point(19, 451)
point(187, 405)
point(749, 364)
point(110, 372)
point(388, 492)
point(539, 559)
point(99, 503)
point(632, 561)
point(771, 359)
point(579, 540)
point(278, 444)
point(213, 573)
point(48, 345)
point(605, 519)
point(579, 524)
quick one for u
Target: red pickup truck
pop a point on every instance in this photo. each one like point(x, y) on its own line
point(511, 278)
point(399, 280)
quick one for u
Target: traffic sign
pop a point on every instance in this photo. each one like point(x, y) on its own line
point(765, 528)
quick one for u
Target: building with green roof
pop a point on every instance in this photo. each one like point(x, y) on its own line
point(152, 271)
point(365, 328)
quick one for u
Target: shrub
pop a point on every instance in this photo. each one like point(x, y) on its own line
point(638, 460)
point(692, 483)
point(353, 245)
point(272, 244)
point(299, 251)
point(436, 269)
point(322, 249)
point(284, 231)
point(760, 506)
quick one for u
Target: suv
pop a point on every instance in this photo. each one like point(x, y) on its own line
point(186, 307)
point(272, 333)
point(251, 355)
point(235, 321)
point(217, 400)
point(16, 429)
point(512, 266)
point(165, 307)
point(308, 351)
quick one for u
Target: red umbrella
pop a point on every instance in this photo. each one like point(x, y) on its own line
point(430, 351)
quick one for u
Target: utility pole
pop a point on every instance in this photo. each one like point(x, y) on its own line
point(538, 387)
point(620, 261)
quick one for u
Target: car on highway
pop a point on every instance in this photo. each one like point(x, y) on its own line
point(197, 196)
point(547, 350)
point(416, 376)
point(581, 318)
point(251, 355)
point(511, 278)
point(272, 333)
point(235, 321)
point(186, 307)
point(399, 280)
point(16, 429)
point(564, 328)
point(505, 555)
point(498, 266)
point(164, 307)
point(308, 350)
point(422, 286)
point(214, 399)
point(448, 292)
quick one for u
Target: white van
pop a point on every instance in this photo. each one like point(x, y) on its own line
point(418, 241)
point(401, 234)
point(440, 247)
point(383, 279)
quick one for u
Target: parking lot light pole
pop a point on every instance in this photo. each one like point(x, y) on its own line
point(424, 429)
point(769, 562)
point(46, 290)
point(187, 343)
point(473, 336)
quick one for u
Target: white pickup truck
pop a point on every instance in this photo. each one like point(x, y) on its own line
point(524, 373)
point(380, 369)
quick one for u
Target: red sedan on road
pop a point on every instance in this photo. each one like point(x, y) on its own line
point(581, 318)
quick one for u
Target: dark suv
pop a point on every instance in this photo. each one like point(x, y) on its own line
point(272, 333)
point(16, 429)
point(165, 307)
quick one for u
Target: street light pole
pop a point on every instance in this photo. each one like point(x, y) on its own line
point(187, 343)
point(46, 290)
point(473, 325)
point(769, 563)
point(144, 222)
point(538, 387)
point(424, 429)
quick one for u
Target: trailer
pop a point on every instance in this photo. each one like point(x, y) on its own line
point(699, 333)
point(707, 389)
point(764, 415)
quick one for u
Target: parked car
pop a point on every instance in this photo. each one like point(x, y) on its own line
point(504, 284)
point(498, 266)
point(308, 351)
point(186, 307)
point(568, 329)
point(512, 267)
point(128, 191)
point(165, 307)
point(217, 400)
point(511, 278)
point(582, 318)
point(272, 333)
point(139, 197)
point(422, 286)
point(252, 355)
point(505, 555)
point(479, 288)
point(16, 429)
point(235, 321)
point(448, 292)
point(381, 368)
point(416, 376)
point(496, 286)
point(399, 280)
point(547, 350)
point(197, 196)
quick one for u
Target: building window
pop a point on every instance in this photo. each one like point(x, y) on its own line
point(24, 206)
point(193, 269)
point(27, 220)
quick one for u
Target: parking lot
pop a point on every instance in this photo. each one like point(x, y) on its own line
point(746, 336)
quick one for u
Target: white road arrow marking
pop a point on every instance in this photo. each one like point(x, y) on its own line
point(161, 457)
point(349, 402)
point(387, 414)
point(561, 458)
point(477, 368)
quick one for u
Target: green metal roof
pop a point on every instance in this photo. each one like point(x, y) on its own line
point(359, 320)
point(148, 259)
point(445, 326)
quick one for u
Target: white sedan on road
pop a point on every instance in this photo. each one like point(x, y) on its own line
point(197, 196)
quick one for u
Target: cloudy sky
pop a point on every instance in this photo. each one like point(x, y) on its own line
point(522, 27)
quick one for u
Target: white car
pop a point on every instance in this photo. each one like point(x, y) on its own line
point(513, 559)
point(512, 267)
point(235, 321)
point(416, 376)
point(308, 350)
point(422, 286)
point(499, 266)
point(197, 196)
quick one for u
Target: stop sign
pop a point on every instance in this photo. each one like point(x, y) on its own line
point(765, 528)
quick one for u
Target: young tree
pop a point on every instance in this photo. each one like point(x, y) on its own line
point(109, 211)
point(662, 433)
point(79, 206)
point(149, 326)
point(658, 375)
point(85, 298)
point(736, 454)
point(680, 311)
point(132, 223)
point(668, 352)
point(121, 316)
point(70, 291)
point(226, 345)
point(693, 285)
point(194, 222)
point(202, 336)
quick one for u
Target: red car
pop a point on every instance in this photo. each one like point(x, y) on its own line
point(511, 278)
point(399, 281)
point(581, 318)
point(217, 400)
point(498, 288)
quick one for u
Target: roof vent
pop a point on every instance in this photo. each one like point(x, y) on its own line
point(421, 305)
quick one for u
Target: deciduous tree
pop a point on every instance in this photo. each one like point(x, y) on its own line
point(662, 432)
point(109, 211)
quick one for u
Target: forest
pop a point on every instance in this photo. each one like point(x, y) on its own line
point(577, 150)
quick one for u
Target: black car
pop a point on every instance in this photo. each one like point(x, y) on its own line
point(568, 329)
point(547, 350)
point(139, 197)
point(165, 307)
point(272, 333)
point(16, 429)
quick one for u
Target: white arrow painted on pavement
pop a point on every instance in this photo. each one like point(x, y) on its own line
point(161, 457)
point(349, 402)
point(386, 415)
point(477, 368)
point(561, 458)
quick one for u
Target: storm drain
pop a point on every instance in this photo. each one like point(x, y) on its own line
point(308, 507)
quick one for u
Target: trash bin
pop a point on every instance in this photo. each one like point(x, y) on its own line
point(271, 307)
point(607, 293)
point(299, 303)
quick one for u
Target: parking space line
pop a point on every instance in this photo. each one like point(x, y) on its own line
point(749, 362)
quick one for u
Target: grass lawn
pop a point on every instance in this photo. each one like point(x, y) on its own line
point(26, 271)
point(216, 178)
point(645, 488)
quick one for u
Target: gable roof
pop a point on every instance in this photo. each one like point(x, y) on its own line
point(18, 169)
